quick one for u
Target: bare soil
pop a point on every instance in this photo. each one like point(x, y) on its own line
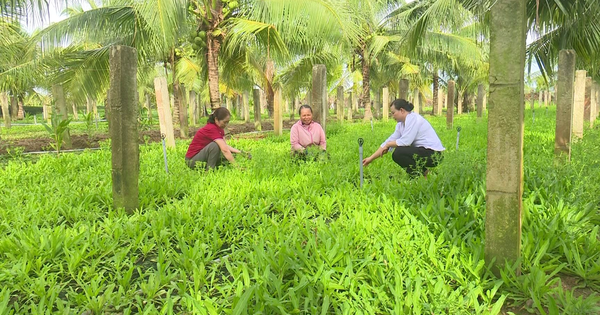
point(83, 141)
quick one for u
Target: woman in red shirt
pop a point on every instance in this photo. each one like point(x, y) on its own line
point(209, 144)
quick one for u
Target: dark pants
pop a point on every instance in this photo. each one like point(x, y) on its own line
point(211, 154)
point(416, 160)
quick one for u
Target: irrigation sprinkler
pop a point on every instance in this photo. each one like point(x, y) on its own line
point(35, 119)
point(164, 145)
point(458, 129)
point(533, 116)
point(360, 159)
point(371, 124)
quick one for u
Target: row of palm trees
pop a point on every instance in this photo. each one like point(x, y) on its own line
point(365, 44)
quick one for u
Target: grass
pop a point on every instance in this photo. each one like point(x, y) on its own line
point(278, 237)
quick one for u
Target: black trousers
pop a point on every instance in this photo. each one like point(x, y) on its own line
point(416, 160)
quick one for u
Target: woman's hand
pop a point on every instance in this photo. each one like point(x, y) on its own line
point(366, 161)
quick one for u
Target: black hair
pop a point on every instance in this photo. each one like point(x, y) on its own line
point(302, 107)
point(402, 103)
point(220, 114)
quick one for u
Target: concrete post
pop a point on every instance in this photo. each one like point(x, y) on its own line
point(75, 113)
point(278, 113)
point(446, 100)
point(61, 107)
point(256, 100)
point(94, 110)
point(532, 99)
point(340, 104)
point(246, 107)
point(385, 99)
point(377, 104)
point(319, 95)
point(293, 108)
point(450, 108)
point(587, 106)
point(416, 101)
point(597, 98)
point(88, 104)
point(480, 95)
point(504, 177)
point(44, 110)
point(123, 127)
point(193, 108)
point(438, 104)
point(403, 89)
point(485, 96)
point(148, 107)
point(164, 110)
point(579, 103)
point(5, 109)
point(593, 104)
point(350, 106)
point(564, 103)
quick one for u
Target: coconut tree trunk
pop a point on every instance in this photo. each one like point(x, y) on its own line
point(366, 87)
point(213, 46)
point(270, 93)
point(466, 102)
point(21, 110)
point(180, 105)
point(436, 89)
point(14, 107)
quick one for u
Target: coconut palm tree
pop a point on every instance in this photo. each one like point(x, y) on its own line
point(443, 32)
point(565, 25)
point(289, 31)
point(18, 76)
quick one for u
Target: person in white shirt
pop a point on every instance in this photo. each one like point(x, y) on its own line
point(415, 145)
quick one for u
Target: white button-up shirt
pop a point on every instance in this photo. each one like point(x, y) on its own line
point(415, 131)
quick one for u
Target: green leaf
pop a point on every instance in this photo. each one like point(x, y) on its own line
point(241, 306)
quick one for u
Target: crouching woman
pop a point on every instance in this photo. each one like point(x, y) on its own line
point(306, 133)
point(209, 144)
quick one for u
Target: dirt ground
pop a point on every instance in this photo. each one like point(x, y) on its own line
point(82, 141)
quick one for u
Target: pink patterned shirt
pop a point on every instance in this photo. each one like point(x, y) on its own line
point(302, 136)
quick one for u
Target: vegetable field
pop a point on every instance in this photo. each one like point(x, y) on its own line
point(281, 237)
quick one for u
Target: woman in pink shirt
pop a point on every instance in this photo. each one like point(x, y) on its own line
point(306, 133)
